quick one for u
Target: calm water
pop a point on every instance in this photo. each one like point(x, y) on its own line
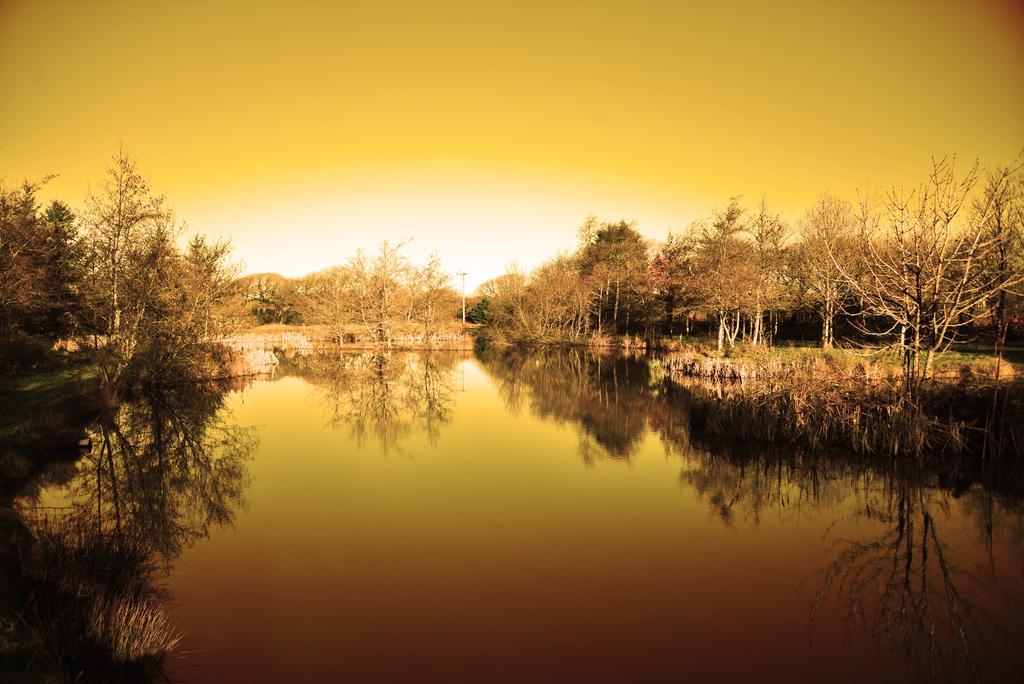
point(537, 518)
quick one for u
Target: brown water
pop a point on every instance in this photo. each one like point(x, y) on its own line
point(546, 518)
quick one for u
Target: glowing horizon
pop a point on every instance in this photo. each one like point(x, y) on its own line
point(487, 134)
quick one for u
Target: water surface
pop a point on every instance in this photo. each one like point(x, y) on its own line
point(544, 517)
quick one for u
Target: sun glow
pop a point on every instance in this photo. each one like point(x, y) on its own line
point(487, 133)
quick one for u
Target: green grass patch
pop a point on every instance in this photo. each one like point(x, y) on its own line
point(47, 408)
point(978, 356)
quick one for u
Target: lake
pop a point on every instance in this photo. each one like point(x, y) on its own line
point(518, 516)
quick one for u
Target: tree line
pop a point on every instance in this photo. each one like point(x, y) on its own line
point(113, 278)
point(117, 279)
point(381, 297)
point(919, 269)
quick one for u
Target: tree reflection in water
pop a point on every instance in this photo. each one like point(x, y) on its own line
point(385, 396)
point(83, 567)
point(941, 603)
point(607, 396)
point(917, 558)
point(914, 592)
point(920, 595)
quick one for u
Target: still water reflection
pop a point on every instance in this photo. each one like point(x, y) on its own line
point(520, 517)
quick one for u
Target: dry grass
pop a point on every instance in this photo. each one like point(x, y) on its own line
point(949, 420)
point(850, 400)
point(777, 366)
point(95, 599)
point(835, 365)
point(623, 342)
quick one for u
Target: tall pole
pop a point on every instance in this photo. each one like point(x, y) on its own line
point(463, 274)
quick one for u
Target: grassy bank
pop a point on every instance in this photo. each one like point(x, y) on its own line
point(698, 356)
point(699, 360)
point(76, 600)
point(37, 406)
point(972, 407)
point(950, 421)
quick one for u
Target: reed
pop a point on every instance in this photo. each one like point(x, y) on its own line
point(777, 365)
point(842, 365)
point(948, 421)
point(93, 599)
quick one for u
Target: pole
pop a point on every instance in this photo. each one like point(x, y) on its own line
point(463, 274)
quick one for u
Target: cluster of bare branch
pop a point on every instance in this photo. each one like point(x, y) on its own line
point(930, 265)
point(114, 277)
point(380, 294)
point(916, 271)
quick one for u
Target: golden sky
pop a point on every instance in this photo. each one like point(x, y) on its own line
point(487, 131)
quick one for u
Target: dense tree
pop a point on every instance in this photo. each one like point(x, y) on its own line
point(480, 312)
point(671, 275)
point(41, 267)
point(1001, 209)
point(274, 299)
point(21, 277)
point(64, 265)
point(725, 272)
point(825, 257)
point(156, 305)
point(613, 258)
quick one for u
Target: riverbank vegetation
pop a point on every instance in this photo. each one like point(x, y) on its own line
point(82, 582)
point(117, 281)
point(885, 286)
point(968, 408)
point(898, 280)
point(917, 270)
point(948, 421)
point(920, 270)
point(112, 281)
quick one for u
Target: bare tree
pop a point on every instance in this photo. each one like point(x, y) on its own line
point(331, 300)
point(1002, 208)
point(923, 266)
point(432, 298)
point(380, 295)
point(156, 305)
point(769, 233)
point(379, 292)
point(558, 301)
point(120, 217)
point(825, 256)
point(725, 272)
